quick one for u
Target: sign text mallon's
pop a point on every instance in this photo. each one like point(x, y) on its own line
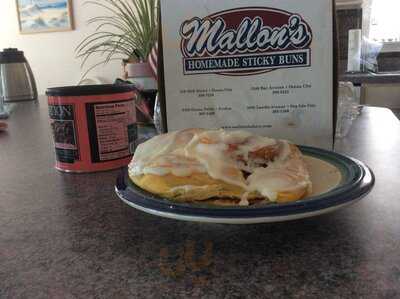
point(245, 41)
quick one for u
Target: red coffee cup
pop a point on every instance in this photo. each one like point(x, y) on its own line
point(94, 126)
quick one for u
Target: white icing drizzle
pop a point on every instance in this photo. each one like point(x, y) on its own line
point(235, 137)
point(244, 200)
point(253, 144)
point(164, 154)
point(213, 155)
point(223, 155)
point(188, 188)
point(284, 150)
point(269, 182)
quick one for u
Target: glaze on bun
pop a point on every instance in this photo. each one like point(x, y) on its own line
point(220, 167)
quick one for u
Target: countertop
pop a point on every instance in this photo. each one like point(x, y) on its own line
point(371, 78)
point(69, 236)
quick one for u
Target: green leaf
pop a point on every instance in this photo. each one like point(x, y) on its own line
point(130, 30)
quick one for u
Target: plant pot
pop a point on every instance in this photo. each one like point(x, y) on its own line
point(140, 73)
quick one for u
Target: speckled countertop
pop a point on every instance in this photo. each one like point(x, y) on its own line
point(68, 236)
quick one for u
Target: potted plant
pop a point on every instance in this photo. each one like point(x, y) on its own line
point(127, 33)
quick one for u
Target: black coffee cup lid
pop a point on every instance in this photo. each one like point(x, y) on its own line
point(87, 90)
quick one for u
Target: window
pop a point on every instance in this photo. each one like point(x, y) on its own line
point(385, 21)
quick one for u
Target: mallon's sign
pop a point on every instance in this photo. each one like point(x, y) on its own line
point(264, 66)
point(245, 41)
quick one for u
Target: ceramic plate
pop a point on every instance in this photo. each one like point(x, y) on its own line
point(338, 181)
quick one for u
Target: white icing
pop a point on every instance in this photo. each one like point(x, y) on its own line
point(235, 137)
point(188, 188)
point(270, 181)
point(163, 154)
point(214, 157)
point(223, 155)
point(156, 171)
point(284, 150)
point(244, 201)
point(254, 143)
point(155, 147)
point(177, 171)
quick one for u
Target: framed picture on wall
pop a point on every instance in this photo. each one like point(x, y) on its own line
point(35, 16)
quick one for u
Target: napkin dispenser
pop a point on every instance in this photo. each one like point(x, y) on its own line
point(16, 78)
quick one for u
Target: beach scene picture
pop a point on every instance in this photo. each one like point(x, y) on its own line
point(44, 15)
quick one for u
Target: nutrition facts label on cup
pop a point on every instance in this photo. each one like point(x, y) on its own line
point(114, 127)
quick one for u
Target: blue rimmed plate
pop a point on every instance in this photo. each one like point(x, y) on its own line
point(338, 181)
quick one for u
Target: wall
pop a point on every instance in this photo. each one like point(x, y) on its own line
point(52, 55)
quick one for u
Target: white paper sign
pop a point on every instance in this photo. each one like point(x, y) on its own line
point(260, 65)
